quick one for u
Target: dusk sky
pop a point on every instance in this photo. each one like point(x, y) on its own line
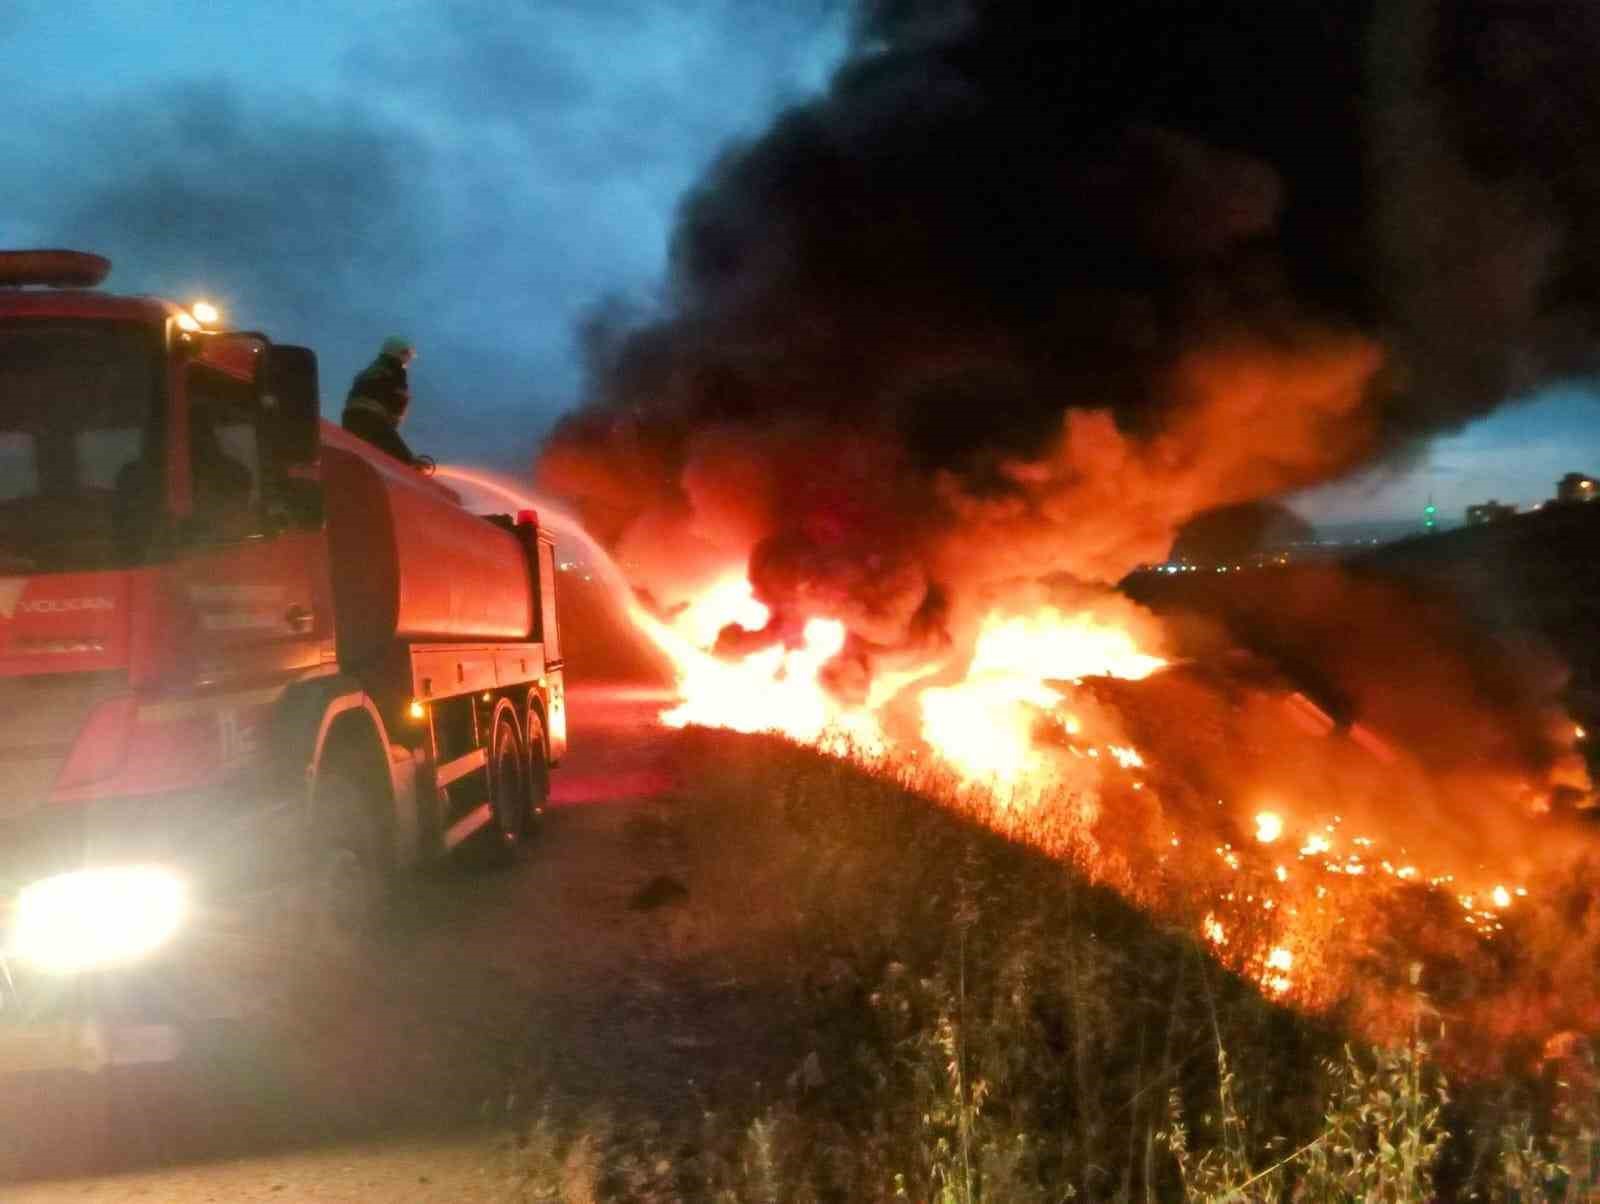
point(479, 178)
point(1515, 455)
point(476, 177)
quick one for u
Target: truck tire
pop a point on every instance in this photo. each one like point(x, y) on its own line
point(503, 836)
point(349, 881)
point(538, 774)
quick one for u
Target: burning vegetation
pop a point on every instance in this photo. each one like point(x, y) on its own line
point(952, 349)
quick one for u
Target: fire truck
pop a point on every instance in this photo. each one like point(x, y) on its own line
point(238, 646)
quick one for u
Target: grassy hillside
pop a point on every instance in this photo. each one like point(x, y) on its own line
point(930, 1012)
point(911, 1007)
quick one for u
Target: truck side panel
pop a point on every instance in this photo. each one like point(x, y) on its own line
point(421, 567)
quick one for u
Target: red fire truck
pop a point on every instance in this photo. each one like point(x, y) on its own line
point(237, 645)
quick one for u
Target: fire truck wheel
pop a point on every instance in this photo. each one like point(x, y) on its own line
point(347, 886)
point(538, 774)
point(508, 795)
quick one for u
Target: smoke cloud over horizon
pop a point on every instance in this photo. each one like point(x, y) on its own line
point(1035, 284)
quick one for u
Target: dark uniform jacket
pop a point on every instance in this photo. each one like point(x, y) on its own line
point(377, 399)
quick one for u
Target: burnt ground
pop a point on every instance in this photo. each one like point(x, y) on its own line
point(601, 972)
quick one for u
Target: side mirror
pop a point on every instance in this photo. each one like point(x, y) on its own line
point(291, 404)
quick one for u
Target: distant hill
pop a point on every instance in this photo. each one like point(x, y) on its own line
point(1539, 571)
point(1523, 584)
point(1380, 532)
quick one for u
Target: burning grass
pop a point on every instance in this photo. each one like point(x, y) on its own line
point(1328, 864)
point(965, 1018)
point(1193, 833)
point(1326, 857)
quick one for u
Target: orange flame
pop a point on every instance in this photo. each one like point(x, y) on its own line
point(1019, 724)
point(1269, 826)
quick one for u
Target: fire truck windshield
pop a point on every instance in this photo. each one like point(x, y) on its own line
point(79, 464)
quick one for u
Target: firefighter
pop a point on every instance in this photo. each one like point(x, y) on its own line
point(378, 400)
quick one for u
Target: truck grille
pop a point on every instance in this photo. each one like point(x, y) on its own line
point(40, 716)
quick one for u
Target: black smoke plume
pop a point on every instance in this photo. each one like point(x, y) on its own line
point(1035, 282)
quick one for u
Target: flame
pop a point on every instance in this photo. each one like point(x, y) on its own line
point(730, 601)
point(1316, 843)
point(1053, 644)
point(1128, 758)
point(983, 727)
point(1279, 962)
point(1015, 720)
point(773, 690)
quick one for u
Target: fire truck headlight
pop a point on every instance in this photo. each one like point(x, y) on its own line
point(100, 917)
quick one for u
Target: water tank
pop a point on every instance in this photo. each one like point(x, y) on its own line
point(409, 563)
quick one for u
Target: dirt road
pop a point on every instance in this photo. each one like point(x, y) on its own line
point(407, 1074)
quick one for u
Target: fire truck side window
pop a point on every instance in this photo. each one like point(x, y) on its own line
point(224, 454)
point(102, 454)
point(19, 475)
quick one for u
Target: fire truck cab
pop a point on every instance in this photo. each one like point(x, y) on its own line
point(238, 647)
